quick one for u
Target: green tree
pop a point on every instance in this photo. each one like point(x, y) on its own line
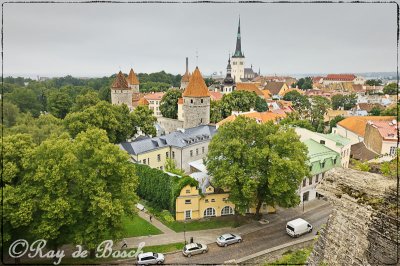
point(374, 82)
point(114, 119)
point(9, 114)
point(257, 163)
point(142, 117)
point(305, 83)
point(294, 119)
point(261, 105)
point(390, 89)
point(59, 103)
point(376, 111)
point(334, 122)
point(319, 106)
point(86, 100)
point(170, 166)
point(343, 101)
point(105, 94)
point(238, 101)
point(39, 128)
point(26, 100)
point(169, 103)
point(393, 111)
point(300, 102)
point(215, 111)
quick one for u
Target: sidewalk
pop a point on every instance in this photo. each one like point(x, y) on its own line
point(155, 222)
point(209, 236)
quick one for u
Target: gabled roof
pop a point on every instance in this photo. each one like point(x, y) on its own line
point(356, 124)
point(274, 87)
point(196, 87)
point(387, 129)
point(261, 117)
point(340, 77)
point(132, 79)
point(157, 96)
point(143, 101)
point(216, 95)
point(120, 82)
point(249, 87)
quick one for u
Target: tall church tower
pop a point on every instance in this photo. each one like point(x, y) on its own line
point(228, 84)
point(196, 102)
point(238, 59)
point(121, 93)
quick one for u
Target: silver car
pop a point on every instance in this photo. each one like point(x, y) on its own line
point(227, 239)
point(193, 249)
point(150, 258)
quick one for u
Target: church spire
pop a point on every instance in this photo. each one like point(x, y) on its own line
point(238, 51)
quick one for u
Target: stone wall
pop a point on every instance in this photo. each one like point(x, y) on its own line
point(169, 124)
point(196, 111)
point(362, 229)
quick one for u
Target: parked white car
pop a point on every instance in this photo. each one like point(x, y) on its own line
point(298, 227)
point(227, 239)
point(150, 258)
point(193, 249)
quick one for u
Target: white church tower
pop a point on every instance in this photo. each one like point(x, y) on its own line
point(238, 59)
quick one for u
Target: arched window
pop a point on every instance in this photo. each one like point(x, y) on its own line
point(209, 212)
point(227, 210)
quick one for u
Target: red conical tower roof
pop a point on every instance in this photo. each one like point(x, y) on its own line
point(196, 87)
point(120, 82)
point(132, 79)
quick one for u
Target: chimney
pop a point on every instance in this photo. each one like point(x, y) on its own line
point(187, 64)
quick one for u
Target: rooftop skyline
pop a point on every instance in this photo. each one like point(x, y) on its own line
point(101, 39)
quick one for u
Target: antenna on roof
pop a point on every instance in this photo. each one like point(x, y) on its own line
point(197, 58)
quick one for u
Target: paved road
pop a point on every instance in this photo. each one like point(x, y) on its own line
point(268, 237)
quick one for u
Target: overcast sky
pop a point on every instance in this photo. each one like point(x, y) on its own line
point(101, 39)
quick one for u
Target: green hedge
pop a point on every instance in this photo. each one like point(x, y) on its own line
point(159, 188)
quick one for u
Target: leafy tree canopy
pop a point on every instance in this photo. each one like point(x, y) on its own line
point(344, 101)
point(169, 103)
point(374, 82)
point(257, 163)
point(390, 89)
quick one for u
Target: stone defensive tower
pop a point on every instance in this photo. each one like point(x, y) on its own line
point(121, 93)
point(196, 102)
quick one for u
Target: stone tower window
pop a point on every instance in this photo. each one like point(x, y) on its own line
point(201, 100)
point(191, 101)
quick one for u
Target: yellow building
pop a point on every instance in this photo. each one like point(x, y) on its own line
point(191, 204)
point(155, 158)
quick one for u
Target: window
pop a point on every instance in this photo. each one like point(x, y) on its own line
point(227, 210)
point(191, 153)
point(173, 155)
point(191, 101)
point(206, 200)
point(304, 182)
point(148, 161)
point(188, 215)
point(187, 191)
point(323, 165)
point(158, 157)
point(144, 161)
point(167, 154)
point(212, 200)
point(209, 212)
point(202, 149)
point(188, 201)
point(334, 161)
point(201, 100)
point(309, 180)
point(316, 178)
point(392, 150)
point(197, 151)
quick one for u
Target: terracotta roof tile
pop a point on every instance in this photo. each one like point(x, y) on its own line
point(120, 82)
point(357, 124)
point(387, 129)
point(261, 117)
point(216, 95)
point(249, 87)
point(274, 87)
point(196, 87)
point(143, 101)
point(132, 79)
point(156, 96)
point(340, 77)
point(186, 77)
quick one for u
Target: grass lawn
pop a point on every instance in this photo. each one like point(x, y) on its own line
point(137, 226)
point(204, 224)
point(298, 257)
point(164, 248)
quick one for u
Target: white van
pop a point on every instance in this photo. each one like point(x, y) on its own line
point(298, 227)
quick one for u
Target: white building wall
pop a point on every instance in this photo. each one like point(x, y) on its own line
point(347, 134)
point(238, 68)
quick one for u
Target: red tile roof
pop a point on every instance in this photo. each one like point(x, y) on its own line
point(249, 87)
point(143, 101)
point(356, 124)
point(261, 117)
point(120, 82)
point(132, 79)
point(340, 77)
point(387, 129)
point(216, 95)
point(157, 96)
point(196, 87)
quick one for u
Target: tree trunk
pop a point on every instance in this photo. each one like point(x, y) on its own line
point(92, 253)
point(257, 214)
